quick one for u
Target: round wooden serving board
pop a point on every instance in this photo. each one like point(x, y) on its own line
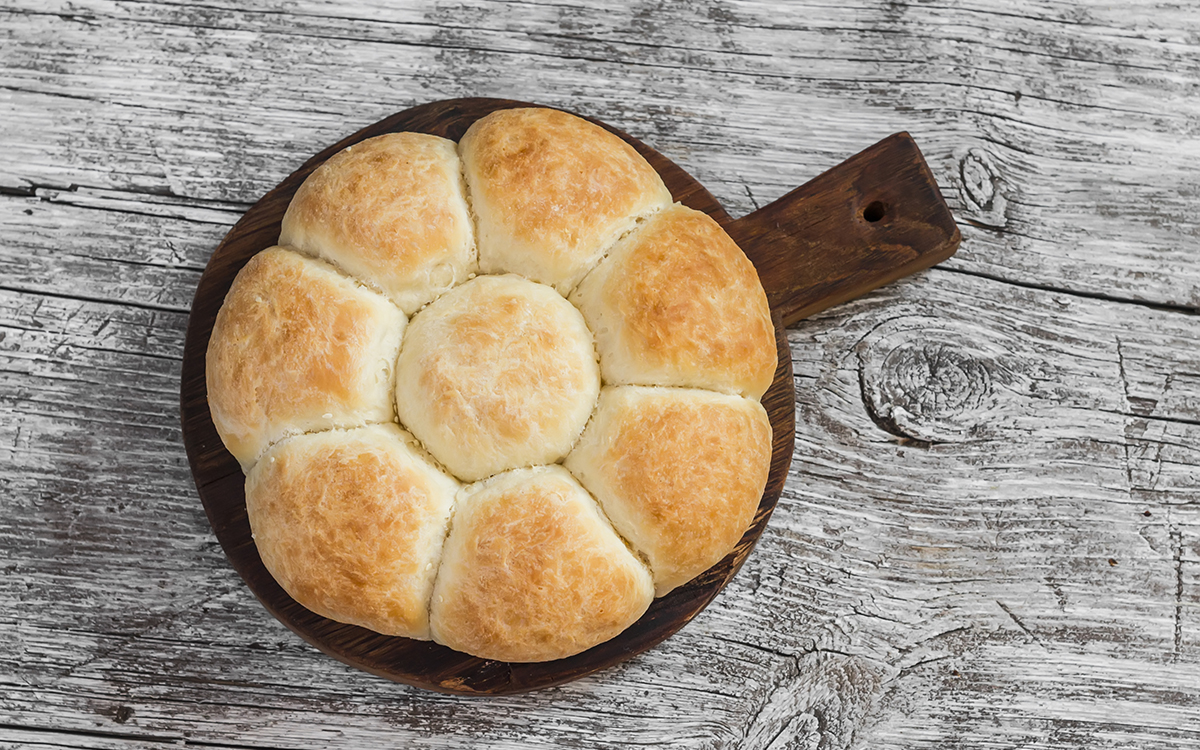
point(874, 218)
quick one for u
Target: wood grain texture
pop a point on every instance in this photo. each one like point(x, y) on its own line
point(961, 556)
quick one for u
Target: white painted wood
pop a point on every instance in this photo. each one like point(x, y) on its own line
point(990, 537)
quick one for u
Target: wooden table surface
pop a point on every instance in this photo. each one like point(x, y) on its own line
point(990, 537)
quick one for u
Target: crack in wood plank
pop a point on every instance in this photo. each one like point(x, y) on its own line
point(1177, 549)
point(1012, 616)
point(1185, 309)
point(96, 300)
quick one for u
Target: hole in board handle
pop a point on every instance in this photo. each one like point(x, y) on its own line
point(874, 211)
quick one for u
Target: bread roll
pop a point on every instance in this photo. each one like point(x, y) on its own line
point(550, 191)
point(391, 212)
point(297, 348)
point(532, 572)
point(351, 525)
point(679, 472)
point(678, 303)
point(499, 373)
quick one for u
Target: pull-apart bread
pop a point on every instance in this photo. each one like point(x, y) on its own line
point(499, 394)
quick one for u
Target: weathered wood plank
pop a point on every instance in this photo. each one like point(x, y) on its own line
point(865, 598)
point(15, 738)
point(1017, 442)
point(1064, 136)
point(309, 703)
point(991, 534)
point(124, 255)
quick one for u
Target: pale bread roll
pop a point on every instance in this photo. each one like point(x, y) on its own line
point(351, 525)
point(678, 303)
point(391, 212)
point(531, 571)
point(679, 472)
point(550, 191)
point(296, 348)
point(497, 374)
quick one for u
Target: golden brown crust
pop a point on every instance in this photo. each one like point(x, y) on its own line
point(532, 572)
point(678, 303)
point(296, 348)
point(551, 191)
point(679, 472)
point(351, 525)
point(390, 211)
point(499, 373)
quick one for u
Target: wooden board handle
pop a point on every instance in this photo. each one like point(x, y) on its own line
point(870, 220)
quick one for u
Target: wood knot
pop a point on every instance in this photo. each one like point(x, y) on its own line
point(930, 380)
point(980, 182)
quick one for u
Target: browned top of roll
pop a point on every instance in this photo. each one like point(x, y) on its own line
point(678, 471)
point(391, 211)
point(351, 525)
point(296, 348)
point(551, 190)
point(532, 571)
point(678, 303)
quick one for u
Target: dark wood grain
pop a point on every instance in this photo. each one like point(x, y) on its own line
point(870, 220)
point(425, 664)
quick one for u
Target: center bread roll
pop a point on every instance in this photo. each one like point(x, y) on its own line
point(532, 571)
point(497, 374)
